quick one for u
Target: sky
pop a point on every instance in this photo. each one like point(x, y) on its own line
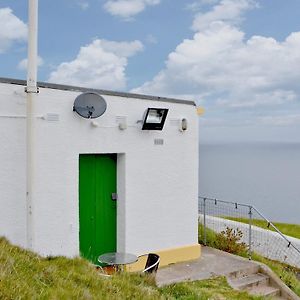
point(239, 59)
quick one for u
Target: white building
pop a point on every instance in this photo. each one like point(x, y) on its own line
point(82, 165)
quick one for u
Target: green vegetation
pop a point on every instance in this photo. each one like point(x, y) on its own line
point(287, 273)
point(25, 275)
point(216, 288)
point(228, 240)
point(288, 229)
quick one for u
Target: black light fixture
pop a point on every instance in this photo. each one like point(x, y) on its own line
point(155, 118)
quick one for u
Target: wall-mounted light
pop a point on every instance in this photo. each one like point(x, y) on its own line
point(155, 118)
point(183, 125)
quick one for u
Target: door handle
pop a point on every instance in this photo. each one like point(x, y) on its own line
point(114, 196)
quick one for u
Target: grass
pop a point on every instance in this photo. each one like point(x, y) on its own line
point(285, 272)
point(25, 275)
point(288, 229)
point(216, 288)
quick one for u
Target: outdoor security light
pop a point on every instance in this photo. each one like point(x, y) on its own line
point(183, 125)
point(155, 118)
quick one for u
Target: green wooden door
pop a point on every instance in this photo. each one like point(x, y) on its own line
point(97, 209)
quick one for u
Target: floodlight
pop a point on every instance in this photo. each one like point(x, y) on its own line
point(155, 118)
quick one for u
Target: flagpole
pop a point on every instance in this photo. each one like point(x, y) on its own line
point(31, 90)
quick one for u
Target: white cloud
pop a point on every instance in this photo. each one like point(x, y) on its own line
point(151, 39)
point(100, 64)
point(284, 120)
point(23, 63)
point(12, 29)
point(220, 65)
point(229, 11)
point(84, 5)
point(127, 9)
point(197, 5)
point(271, 98)
point(120, 49)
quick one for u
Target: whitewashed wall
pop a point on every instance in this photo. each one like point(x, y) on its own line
point(157, 184)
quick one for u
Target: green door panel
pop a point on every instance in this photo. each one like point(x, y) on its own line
point(97, 210)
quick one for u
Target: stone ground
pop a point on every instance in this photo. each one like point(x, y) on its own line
point(241, 274)
point(213, 262)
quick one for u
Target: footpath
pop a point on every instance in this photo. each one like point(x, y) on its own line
point(241, 274)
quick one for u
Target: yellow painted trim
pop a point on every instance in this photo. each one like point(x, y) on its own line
point(169, 256)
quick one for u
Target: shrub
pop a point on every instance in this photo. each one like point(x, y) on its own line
point(229, 240)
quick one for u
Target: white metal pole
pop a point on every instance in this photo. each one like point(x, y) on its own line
point(31, 90)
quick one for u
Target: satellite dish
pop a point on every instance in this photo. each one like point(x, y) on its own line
point(90, 105)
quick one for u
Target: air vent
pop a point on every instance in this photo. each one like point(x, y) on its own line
point(51, 117)
point(158, 142)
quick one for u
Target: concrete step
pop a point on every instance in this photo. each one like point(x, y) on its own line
point(249, 281)
point(256, 284)
point(262, 290)
point(243, 272)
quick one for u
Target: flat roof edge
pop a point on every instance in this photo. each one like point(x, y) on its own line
point(99, 91)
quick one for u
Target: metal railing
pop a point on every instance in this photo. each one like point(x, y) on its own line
point(218, 215)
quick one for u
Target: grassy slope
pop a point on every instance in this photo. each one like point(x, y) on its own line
point(287, 273)
point(288, 229)
point(25, 275)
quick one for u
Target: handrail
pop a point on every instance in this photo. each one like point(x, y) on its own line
point(236, 204)
point(222, 201)
point(277, 230)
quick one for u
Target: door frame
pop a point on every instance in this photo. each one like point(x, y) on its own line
point(121, 244)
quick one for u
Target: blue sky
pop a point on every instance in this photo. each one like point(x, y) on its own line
point(240, 59)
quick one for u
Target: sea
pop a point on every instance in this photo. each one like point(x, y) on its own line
point(265, 175)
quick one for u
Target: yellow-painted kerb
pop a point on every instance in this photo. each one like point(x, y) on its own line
point(169, 256)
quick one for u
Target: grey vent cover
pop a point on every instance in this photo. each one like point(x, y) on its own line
point(90, 105)
point(158, 142)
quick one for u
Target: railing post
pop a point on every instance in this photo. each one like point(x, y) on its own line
point(204, 220)
point(293, 258)
point(250, 233)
